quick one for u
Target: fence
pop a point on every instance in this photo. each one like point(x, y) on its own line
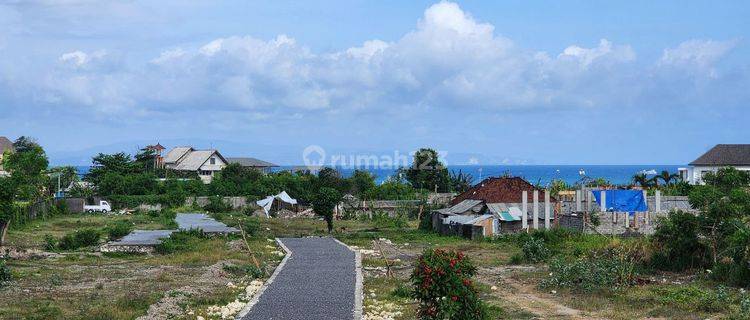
point(27, 212)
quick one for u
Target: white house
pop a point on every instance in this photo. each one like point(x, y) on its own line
point(6, 147)
point(720, 156)
point(203, 162)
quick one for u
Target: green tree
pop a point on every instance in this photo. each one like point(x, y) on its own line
point(118, 163)
point(62, 176)
point(667, 177)
point(7, 197)
point(146, 159)
point(460, 181)
point(428, 172)
point(27, 167)
point(363, 182)
point(324, 202)
point(331, 178)
point(642, 180)
point(722, 201)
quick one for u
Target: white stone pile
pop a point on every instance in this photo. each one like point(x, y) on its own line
point(229, 310)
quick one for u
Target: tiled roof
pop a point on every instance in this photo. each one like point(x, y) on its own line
point(194, 160)
point(5, 144)
point(725, 155)
point(500, 190)
point(174, 155)
point(251, 162)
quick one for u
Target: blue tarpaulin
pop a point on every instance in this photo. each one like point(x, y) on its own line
point(622, 200)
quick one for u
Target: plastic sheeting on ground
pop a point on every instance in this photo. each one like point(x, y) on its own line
point(622, 200)
point(268, 201)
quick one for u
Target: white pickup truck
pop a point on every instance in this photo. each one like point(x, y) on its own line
point(102, 207)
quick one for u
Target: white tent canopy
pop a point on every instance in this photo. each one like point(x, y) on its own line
point(268, 201)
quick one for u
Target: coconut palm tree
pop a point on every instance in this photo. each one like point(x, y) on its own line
point(667, 177)
point(642, 180)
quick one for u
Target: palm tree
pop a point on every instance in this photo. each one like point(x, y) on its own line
point(642, 180)
point(668, 177)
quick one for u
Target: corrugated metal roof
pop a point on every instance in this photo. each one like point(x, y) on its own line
point(251, 162)
point(480, 218)
point(458, 219)
point(515, 209)
point(464, 206)
point(176, 153)
point(505, 212)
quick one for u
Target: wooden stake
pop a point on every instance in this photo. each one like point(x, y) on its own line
point(247, 244)
point(388, 272)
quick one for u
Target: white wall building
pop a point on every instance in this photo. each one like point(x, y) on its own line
point(720, 156)
point(203, 162)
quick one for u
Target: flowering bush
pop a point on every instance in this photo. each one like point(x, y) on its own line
point(443, 286)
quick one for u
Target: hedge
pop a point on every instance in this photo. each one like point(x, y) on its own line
point(128, 201)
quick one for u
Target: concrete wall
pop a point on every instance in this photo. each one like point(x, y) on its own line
point(667, 204)
point(618, 224)
point(74, 205)
point(573, 221)
point(235, 202)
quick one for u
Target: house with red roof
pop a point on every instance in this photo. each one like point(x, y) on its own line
point(494, 206)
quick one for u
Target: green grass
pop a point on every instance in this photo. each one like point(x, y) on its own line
point(91, 285)
point(32, 234)
point(121, 286)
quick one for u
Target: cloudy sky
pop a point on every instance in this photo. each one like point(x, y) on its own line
point(549, 82)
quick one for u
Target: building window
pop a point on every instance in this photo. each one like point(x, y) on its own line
point(213, 160)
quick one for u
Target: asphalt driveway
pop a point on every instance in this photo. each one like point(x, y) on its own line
point(317, 282)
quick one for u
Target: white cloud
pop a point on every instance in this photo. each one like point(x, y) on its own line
point(450, 61)
point(605, 51)
point(80, 59)
point(700, 53)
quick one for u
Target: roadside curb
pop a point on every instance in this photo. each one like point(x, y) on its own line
point(265, 286)
point(358, 288)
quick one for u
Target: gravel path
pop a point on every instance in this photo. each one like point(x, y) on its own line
point(317, 282)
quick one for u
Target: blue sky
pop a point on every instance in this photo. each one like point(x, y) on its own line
point(518, 82)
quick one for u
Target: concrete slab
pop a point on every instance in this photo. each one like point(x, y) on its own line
point(142, 238)
point(187, 221)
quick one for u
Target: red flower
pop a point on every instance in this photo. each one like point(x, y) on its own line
point(454, 298)
point(467, 282)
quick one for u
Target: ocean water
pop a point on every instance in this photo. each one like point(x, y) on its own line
point(542, 174)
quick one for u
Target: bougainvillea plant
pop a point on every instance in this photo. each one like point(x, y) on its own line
point(443, 286)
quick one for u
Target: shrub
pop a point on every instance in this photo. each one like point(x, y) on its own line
point(180, 241)
point(216, 204)
point(5, 275)
point(402, 291)
point(251, 227)
point(245, 270)
point(383, 220)
point(535, 251)
point(676, 242)
point(118, 229)
point(166, 217)
point(425, 223)
point(79, 239)
point(611, 267)
point(443, 287)
point(61, 207)
point(50, 243)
